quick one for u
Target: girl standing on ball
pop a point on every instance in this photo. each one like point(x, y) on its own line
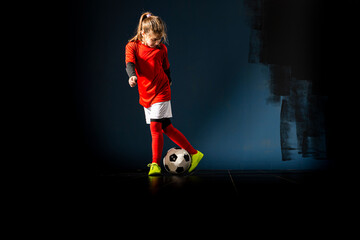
point(147, 65)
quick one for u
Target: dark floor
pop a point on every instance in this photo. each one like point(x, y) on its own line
point(214, 185)
point(215, 196)
point(235, 199)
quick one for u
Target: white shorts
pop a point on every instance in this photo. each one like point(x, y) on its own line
point(158, 110)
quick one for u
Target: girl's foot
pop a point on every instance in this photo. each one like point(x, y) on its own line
point(195, 159)
point(154, 169)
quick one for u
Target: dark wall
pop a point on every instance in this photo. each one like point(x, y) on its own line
point(247, 86)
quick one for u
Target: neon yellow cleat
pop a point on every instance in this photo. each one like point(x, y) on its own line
point(154, 169)
point(195, 159)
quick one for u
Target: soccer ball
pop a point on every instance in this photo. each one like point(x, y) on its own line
point(177, 160)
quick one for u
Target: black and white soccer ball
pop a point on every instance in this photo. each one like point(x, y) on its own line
point(177, 160)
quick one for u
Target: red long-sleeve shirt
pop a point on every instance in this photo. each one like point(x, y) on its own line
point(150, 66)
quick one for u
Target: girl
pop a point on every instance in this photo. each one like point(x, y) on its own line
point(148, 67)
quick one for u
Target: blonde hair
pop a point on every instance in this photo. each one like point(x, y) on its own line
point(148, 22)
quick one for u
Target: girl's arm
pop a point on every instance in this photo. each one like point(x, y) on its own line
point(130, 69)
point(166, 64)
point(130, 63)
point(167, 72)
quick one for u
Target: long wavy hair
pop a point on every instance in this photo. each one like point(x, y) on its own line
point(148, 22)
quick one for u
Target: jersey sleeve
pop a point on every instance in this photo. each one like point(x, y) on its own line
point(130, 52)
point(166, 64)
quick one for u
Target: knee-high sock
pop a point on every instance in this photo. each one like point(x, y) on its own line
point(177, 137)
point(157, 141)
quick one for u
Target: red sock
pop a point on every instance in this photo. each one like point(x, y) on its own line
point(157, 141)
point(177, 137)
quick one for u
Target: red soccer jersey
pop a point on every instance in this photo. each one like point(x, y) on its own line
point(150, 63)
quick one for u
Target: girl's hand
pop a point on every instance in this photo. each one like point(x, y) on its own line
point(133, 81)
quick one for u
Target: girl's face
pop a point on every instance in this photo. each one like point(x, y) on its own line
point(150, 39)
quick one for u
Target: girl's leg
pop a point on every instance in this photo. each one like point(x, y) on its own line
point(177, 137)
point(157, 141)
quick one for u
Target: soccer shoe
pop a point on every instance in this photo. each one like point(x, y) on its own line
point(195, 159)
point(154, 169)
